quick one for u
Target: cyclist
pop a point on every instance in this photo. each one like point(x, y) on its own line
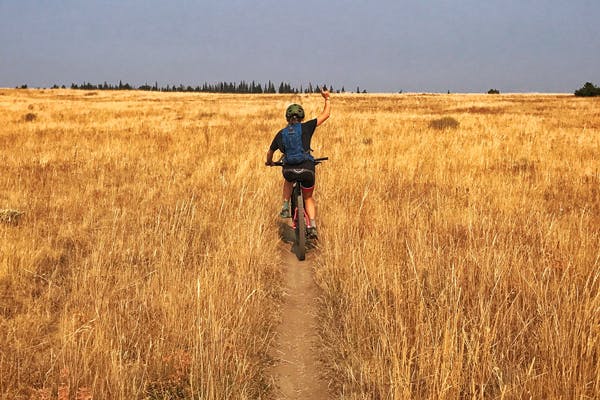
point(303, 170)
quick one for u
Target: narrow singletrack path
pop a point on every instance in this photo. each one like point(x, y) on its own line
point(296, 371)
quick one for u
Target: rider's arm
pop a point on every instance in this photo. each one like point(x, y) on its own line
point(326, 109)
point(275, 145)
point(269, 157)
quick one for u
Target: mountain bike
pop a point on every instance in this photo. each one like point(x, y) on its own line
point(300, 220)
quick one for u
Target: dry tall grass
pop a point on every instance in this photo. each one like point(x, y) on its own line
point(143, 266)
point(457, 260)
point(462, 261)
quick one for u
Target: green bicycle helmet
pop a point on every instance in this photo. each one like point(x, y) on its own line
point(294, 110)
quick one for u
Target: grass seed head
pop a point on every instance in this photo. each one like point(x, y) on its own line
point(10, 216)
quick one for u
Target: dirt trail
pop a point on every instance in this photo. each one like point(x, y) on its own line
point(296, 372)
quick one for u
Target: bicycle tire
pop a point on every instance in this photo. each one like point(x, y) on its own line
point(294, 205)
point(300, 225)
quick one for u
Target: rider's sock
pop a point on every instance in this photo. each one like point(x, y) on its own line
point(286, 204)
point(313, 223)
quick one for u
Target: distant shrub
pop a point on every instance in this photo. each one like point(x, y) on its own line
point(444, 123)
point(522, 165)
point(588, 90)
point(493, 91)
point(29, 117)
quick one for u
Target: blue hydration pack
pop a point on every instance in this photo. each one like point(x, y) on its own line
point(292, 145)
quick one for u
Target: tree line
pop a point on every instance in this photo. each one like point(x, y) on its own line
point(588, 89)
point(241, 87)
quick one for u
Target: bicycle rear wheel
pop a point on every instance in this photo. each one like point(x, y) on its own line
point(300, 225)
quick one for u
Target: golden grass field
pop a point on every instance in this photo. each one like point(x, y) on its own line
point(454, 262)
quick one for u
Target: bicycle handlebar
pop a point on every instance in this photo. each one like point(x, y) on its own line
point(317, 161)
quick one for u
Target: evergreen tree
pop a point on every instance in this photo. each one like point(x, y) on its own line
point(271, 87)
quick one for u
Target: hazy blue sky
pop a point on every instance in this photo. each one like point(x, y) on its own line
point(385, 45)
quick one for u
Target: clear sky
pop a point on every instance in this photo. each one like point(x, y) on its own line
point(381, 46)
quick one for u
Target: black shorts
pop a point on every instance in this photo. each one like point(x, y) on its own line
point(305, 173)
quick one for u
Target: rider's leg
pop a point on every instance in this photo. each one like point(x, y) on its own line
point(286, 211)
point(309, 203)
point(287, 190)
point(311, 210)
